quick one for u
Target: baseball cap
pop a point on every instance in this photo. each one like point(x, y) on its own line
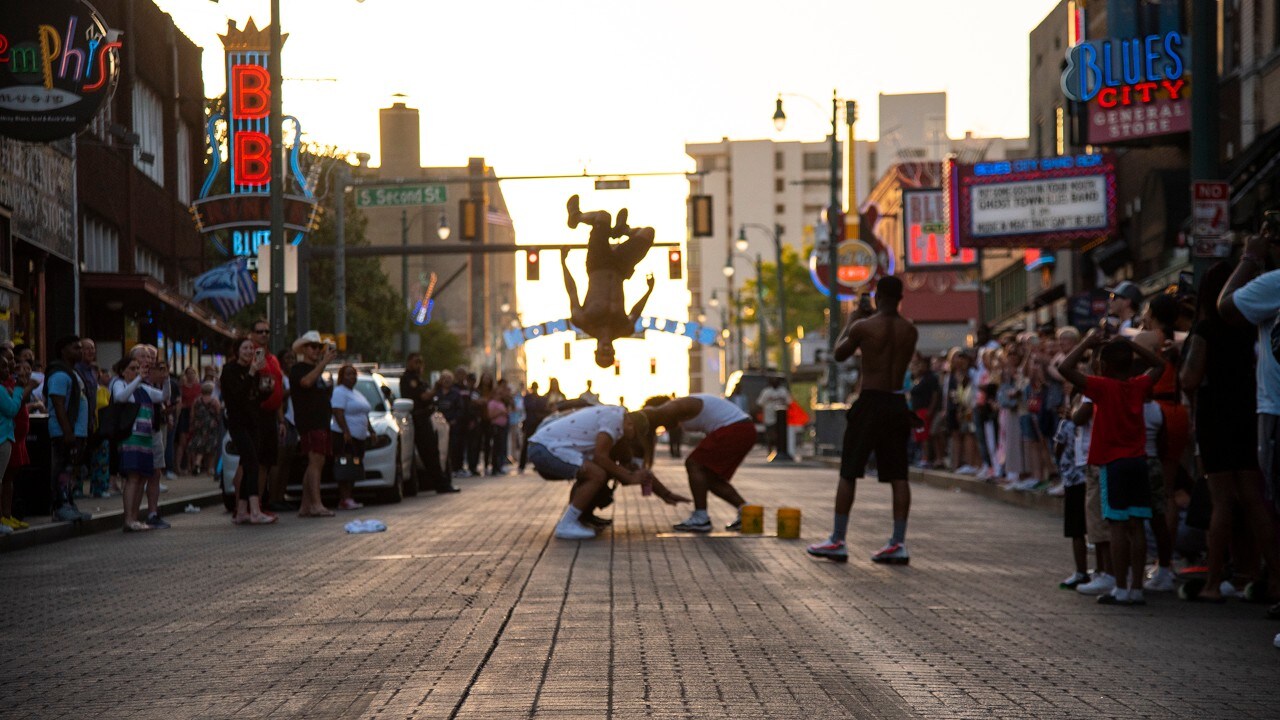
point(1129, 290)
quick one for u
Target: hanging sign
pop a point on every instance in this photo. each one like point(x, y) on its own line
point(58, 63)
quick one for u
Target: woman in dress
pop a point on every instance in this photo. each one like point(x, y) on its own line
point(137, 453)
point(190, 391)
point(203, 444)
point(240, 397)
point(351, 428)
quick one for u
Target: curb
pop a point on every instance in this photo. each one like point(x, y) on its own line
point(964, 483)
point(100, 522)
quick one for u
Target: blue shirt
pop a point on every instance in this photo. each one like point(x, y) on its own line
point(10, 406)
point(1259, 303)
point(59, 383)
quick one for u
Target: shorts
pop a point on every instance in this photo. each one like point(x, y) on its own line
point(1097, 529)
point(158, 444)
point(879, 421)
point(1155, 481)
point(1074, 524)
point(1269, 457)
point(317, 441)
point(549, 466)
point(921, 434)
point(722, 450)
point(1126, 490)
point(268, 440)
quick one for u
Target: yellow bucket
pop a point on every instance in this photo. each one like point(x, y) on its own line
point(789, 523)
point(752, 520)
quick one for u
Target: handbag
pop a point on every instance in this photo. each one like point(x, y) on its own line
point(348, 468)
point(115, 421)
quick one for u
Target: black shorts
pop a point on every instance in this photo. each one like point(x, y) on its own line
point(1073, 522)
point(1126, 490)
point(268, 438)
point(879, 421)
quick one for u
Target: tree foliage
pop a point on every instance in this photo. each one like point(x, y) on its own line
point(806, 307)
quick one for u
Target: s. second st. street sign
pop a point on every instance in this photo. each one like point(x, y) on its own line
point(400, 196)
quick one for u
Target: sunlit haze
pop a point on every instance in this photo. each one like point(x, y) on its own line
point(548, 88)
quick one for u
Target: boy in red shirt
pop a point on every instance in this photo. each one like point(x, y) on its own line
point(1118, 448)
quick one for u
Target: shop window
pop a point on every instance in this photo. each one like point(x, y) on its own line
point(817, 161)
point(148, 123)
point(101, 247)
point(779, 160)
point(779, 209)
point(147, 262)
point(779, 185)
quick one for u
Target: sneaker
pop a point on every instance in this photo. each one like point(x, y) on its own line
point(1115, 597)
point(1229, 591)
point(594, 521)
point(1074, 581)
point(1160, 581)
point(966, 470)
point(156, 522)
point(164, 488)
point(834, 551)
point(136, 526)
point(696, 523)
point(448, 489)
point(1057, 490)
point(6, 530)
point(14, 523)
point(462, 474)
point(1135, 598)
point(349, 504)
point(1101, 584)
point(66, 513)
point(573, 530)
point(170, 475)
point(892, 554)
point(735, 526)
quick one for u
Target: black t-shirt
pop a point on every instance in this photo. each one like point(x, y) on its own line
point(1228, 363)
point(923, 392)
point(412, 387)
point(310, 404)
point(239, 394)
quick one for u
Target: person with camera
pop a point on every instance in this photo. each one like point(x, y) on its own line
point(309, 392)
point(241, 395)
point(271, 424)
point(1252, 296)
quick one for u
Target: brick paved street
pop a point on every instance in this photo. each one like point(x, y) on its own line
point(468, 608)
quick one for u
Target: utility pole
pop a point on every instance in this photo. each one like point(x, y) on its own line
point(277, 302)
point(764, 346)
point(1204, 102)
point(404, 283)
point(340, 257)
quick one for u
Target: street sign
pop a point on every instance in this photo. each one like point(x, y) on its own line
point(1211, 214)
point(401, 196)
point(613, 184)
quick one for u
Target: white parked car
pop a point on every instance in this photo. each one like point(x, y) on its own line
point(389, 470)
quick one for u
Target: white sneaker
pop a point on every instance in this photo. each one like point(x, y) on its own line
point(6, 530)
point(1160, 581)
point(1101, 584)
point(164, 488)
point(1229, 591)
point(573, 530)
point(966, 470)
point(1056, 491)
point(170, 475)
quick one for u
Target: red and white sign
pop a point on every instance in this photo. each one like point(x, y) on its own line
point(1211, 212)
point(927, 244)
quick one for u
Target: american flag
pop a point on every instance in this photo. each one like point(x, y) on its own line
point(497, 217)
point(228, 287)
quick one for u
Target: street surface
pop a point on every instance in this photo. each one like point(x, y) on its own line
point(468, 608)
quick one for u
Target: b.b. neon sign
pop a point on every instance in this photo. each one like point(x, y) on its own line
point(1126, 72)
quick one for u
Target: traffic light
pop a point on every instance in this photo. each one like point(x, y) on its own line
point(531, 263)
point(700, 210)
point(674, 270)
point(469, 212)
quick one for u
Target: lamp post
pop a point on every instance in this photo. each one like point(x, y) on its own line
point(442, 232)
point(834, 219)
point(275, 132)
point(728, 272)
point(784, 362)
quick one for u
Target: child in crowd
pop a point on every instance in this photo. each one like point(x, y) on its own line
point(1097, 529)
point(1118, 447)
point(1162, 576)
point(1073, 488)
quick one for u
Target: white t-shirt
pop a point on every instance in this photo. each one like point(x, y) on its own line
point(572, 438)
point(716, 413)
point(1153, 419)
point(773, 400)
point(356, 409)
point(1259, 303)
point(1084, 435)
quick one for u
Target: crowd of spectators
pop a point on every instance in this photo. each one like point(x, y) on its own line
point(1173, 399)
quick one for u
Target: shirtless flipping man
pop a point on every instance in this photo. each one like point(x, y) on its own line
point(878, 421)
point(602, 314)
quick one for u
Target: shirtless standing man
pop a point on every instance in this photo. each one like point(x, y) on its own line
point(602, 313)
point(878, 421)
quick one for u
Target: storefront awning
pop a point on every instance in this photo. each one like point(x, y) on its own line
point(116, 292)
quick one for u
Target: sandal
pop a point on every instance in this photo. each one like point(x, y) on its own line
point(262, 519)
point(136, 526)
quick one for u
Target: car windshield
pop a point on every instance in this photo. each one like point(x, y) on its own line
point(368, 387)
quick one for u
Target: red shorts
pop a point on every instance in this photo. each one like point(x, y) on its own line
point(316, 441)
point(921, 434)
point(722, 451)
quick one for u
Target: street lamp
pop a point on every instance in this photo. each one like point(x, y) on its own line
point(834, 219)
point(728, 272)
point(442, 232)
point(784, 362)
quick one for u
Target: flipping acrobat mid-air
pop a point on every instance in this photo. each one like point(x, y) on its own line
point(602, 313)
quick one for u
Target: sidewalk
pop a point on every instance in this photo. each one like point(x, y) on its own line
point(108, 513)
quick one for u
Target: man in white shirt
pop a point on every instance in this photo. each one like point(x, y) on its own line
point(1253, 296)
point(577, 446)
point(729, 435)
point(775, 400)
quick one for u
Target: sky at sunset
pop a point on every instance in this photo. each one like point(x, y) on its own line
point(611, 87)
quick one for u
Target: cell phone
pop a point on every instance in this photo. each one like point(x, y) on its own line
point(1110, 326)
point(260, 354)
point(864, 302)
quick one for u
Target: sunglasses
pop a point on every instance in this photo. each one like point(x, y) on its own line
point(261, 331)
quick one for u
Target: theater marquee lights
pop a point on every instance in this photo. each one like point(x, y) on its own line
point(240, 218)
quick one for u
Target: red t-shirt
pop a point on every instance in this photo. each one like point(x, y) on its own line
point(273, 396)
point(1118, 428)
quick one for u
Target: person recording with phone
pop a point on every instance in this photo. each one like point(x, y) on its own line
point(271, 395)
point(241, 395)
point(1252, 297)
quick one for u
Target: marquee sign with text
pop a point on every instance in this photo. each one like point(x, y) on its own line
point(927, 235)
point(1046, 203)
point(58, 63)
point(243, 214)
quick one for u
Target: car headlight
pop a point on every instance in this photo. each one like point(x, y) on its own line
point(378, 441)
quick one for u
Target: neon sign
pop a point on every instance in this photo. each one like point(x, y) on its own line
point(927, 244)
point(1126, 72)
point(58, 62)
point(245, 211)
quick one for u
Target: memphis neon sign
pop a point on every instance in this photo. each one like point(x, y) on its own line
point(1126, 72)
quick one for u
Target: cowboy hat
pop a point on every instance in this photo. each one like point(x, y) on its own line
point(311, 337)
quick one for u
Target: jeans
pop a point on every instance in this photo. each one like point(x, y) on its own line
point(498, 448)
